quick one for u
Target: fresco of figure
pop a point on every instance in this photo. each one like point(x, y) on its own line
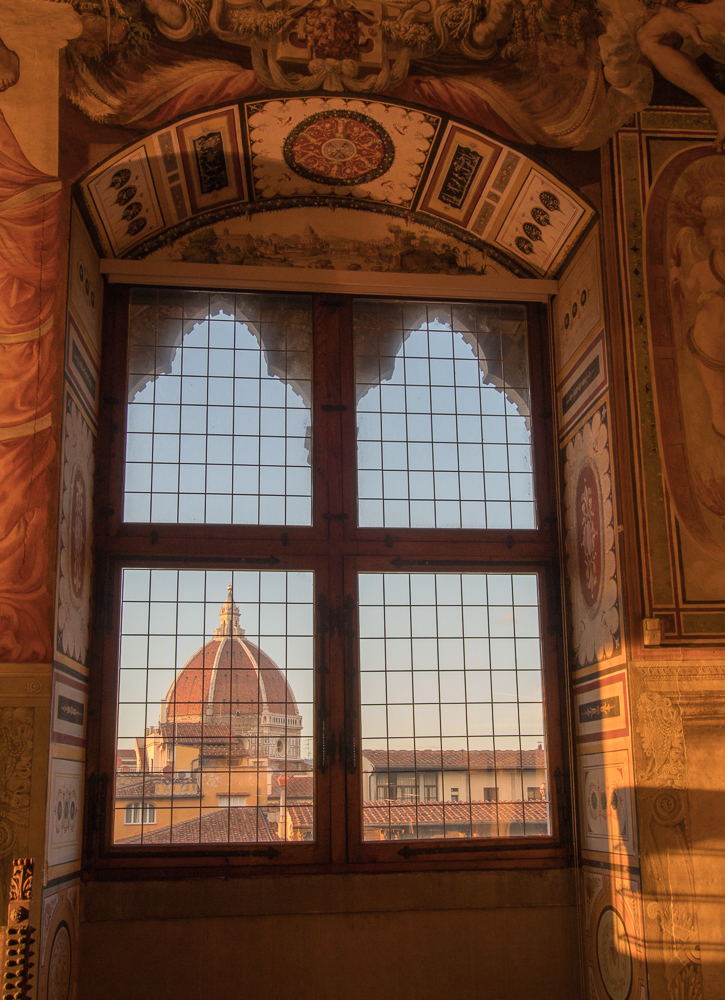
point(9, 67)
point(668, 31)
point(702, 286)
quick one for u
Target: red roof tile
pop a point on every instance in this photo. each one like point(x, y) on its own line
point(300, 786)
point(239, 824)
point(450, 760)
point(384, 813)
point(301, 815)
point(388, 812)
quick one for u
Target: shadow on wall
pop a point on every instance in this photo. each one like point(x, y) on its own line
point(681, 927)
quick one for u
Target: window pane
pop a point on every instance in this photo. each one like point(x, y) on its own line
point(443, 415)
point(215, 714)
point(219, 411)
point(451, 706)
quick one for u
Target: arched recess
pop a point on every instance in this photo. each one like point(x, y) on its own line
point(326, 190)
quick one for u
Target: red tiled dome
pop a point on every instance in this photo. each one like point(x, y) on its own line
point(227, 678)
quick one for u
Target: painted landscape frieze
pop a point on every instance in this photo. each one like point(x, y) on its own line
point(328, 241)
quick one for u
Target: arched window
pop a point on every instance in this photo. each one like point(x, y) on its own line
point(140, 812)
point(330, 553)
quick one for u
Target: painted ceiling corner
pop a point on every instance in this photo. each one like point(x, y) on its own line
point(333, 182)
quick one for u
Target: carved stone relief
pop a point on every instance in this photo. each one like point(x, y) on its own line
point(16, 756)
point(668, 882)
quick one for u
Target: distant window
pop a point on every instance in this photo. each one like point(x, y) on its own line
point(140, 812)
point(534, 794)
point(491, 795)
point(454, 795)
point(225, 801)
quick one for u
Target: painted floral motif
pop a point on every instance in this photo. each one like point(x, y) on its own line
point(588, 536)
point(74, 584)
point(591, 559)
point(65, 810)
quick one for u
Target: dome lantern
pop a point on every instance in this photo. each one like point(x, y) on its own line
point(228, 617)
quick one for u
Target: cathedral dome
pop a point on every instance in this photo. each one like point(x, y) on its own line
point(230, 680)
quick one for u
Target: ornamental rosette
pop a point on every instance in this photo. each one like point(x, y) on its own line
point(590, 543)
point(74, 582)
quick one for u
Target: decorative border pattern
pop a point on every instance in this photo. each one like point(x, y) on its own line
point(212, 159)
point(582, 384)
point(75, 535)
point(68, 710)
point(578, 306)
point(590, 539)
point(81, 370)
point(601, 709)
point(459, 175)
point(126, 201)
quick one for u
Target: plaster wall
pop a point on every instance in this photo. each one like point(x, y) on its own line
point(501, 934)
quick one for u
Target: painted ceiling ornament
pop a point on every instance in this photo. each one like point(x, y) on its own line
point(563, 73)
point(590, 537)
point(357, 45)
point(340, 147)
point(74, 585)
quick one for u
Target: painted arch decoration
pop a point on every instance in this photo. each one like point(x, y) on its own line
point(284, 182)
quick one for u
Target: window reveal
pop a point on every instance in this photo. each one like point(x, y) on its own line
point(441, 728)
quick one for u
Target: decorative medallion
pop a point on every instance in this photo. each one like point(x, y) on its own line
point(590, 537)
point(59, 969)
point(340, 147)
point(74, 584)
point(614, 955)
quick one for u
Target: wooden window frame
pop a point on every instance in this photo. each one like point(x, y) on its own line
point(335, 549)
